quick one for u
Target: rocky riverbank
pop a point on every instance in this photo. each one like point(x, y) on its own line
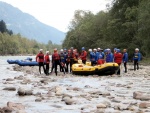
point(31, 92)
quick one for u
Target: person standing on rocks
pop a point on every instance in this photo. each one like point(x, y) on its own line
point(83, 55)
point(56, 60)
point(118, 59)
point(125, 59)
point(47, 61)
point(136, 59)
point(109, 56)
point(40, 60)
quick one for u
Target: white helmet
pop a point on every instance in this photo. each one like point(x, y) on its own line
point(90, 50)
point(98, 48)
point(95, 49)
point(61, 50)
point(47, 52)
point(137, 49)
point(41, 50)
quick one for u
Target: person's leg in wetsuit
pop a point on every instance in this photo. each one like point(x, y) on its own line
point(125, 67)
point(47, 68)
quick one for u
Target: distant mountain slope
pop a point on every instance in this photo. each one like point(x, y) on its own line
point(28, 26)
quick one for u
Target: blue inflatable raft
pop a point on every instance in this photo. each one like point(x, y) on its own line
point(27, 63)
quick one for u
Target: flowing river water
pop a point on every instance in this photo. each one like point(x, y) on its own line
point(87, 92)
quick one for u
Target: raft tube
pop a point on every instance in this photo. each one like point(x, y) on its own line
point(104, 69)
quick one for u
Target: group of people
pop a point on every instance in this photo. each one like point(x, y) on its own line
point(66, 58)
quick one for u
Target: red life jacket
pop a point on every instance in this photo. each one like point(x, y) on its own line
point(40, 57)
point(47, 60)
point(83, 55)
point(56, 56)
point(118, 58)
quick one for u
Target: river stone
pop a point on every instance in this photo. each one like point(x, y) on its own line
point(21, 92)
point(144, 105)
point(28, 92)
point(1, 111)
point(65, 98)
point(101, 106)
point(15, 106)
point(59, 93)
point(77, 89)
point(7, 109)
point(67, 95)
point(10, 88)
point(9, 79)
point(38, 100)
point(69, 101)
point(141, 96)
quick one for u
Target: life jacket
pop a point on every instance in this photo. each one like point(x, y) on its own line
point(40, 57)
point(109, 57)
point(56, 56)
point(83, 55)
point(118, 58)
point(47, 60)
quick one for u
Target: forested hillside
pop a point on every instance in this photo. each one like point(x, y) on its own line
point(16, 44)
point(126, 24)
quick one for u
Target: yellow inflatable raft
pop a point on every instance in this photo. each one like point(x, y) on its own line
point(104, 69)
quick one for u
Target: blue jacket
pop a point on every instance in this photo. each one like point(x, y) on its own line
point(100, 55)
point(125, 57)
point(109, 57)
point(93, 56)
point(137, 56)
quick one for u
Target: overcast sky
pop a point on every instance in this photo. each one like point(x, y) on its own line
point(57, 13)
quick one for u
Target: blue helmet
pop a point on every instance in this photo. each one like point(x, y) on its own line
point(83, 48)
point(118, 50)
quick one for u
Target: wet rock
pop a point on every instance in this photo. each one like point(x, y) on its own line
point(10, 88)
point(100, 111)
point(101, 106)
point(87, 86)
point(69, 101)
point(9, 79)
point(144, 105)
